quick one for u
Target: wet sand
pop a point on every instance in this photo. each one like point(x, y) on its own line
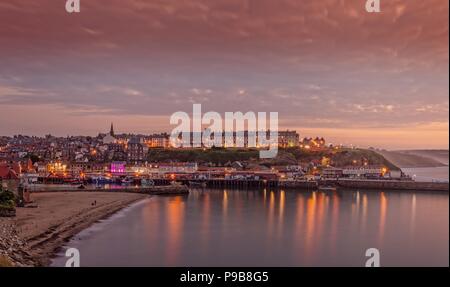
point(60, 215)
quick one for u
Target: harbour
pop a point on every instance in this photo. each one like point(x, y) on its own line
point(224, 227)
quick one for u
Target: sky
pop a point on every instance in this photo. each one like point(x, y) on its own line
point(327, 67)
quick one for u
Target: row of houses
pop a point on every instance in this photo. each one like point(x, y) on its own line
point(367, 172)
point(108, 147)
point(232, 139)
point(13, 169)
point(244, 139)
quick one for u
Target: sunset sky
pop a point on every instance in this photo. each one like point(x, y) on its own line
point(327, 67)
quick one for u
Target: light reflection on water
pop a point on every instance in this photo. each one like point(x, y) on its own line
point(273, 228)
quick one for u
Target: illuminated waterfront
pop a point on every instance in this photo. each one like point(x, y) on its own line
point(271, 228)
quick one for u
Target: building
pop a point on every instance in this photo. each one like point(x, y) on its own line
point(136, 150)
point(332, 172)
point(157, 141)
point(313, 143)
point(76, 168)
point(288, 139)
point(178, 167)
point(366, 171)
point(7, 172)
point(118, 167)
point(243, 139)
point(115, 147)
point(110, 138)
point(289, 171)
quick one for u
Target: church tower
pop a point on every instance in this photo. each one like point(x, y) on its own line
point(111, 131)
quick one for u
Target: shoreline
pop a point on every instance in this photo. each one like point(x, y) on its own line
point(40, 232)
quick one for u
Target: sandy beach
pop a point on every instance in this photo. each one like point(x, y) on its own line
point(57, 217)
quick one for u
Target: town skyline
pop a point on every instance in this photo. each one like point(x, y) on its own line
point(143, 132)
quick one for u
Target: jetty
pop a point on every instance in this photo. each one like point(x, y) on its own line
point(232, 183)
point(307, 185)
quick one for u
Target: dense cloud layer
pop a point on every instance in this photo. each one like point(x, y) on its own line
point(325, 66)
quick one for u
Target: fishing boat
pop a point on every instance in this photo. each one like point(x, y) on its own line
point(98, 180)
point(127, 181)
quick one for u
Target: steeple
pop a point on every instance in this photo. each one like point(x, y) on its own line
point(111, 131)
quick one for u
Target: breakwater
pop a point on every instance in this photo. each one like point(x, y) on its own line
point(183, 187)
point(392, 185)
point(378, 184)
point(233, 183)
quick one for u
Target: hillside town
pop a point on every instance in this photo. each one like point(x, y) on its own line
point(127, 158)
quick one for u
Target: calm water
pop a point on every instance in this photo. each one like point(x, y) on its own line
point(271, 228)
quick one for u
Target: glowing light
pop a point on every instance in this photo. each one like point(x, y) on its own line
point(117, 167)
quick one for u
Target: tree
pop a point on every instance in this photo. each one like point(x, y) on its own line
point(34, 158)
point(7, 198)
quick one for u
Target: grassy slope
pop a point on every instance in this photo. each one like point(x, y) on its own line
point(411, 159)
point(340, 158)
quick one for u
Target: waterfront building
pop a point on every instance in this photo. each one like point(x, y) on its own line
point(41, 168)
point(118, 167)
point(289, 171)
point(332, 172)
point(77, 168)
point(178, 167)
point(366, 171)
point(56, 167)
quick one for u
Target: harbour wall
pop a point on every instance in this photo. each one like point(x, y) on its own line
point(393, 185)
point(151, 190)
